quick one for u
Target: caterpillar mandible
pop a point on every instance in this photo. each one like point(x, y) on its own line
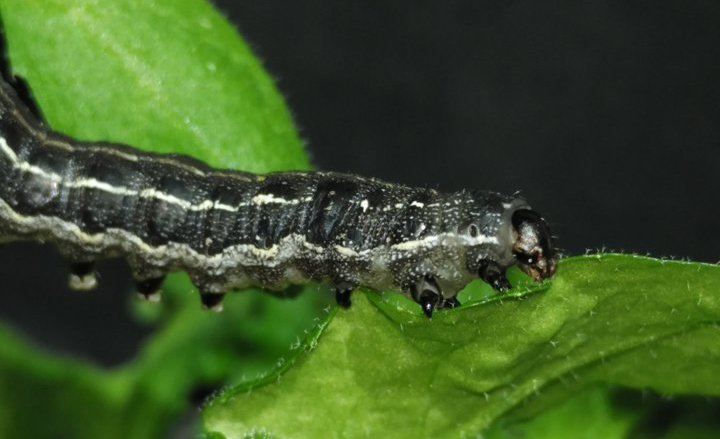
point(234, 230)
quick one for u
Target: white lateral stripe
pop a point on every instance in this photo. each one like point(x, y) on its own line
point(345, 251)
point(240, 254)
point(24, 166)
point(92, 183)
point(431, 241)
point(261, 199)
point(7, 150)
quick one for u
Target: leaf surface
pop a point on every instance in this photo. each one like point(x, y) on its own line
point(380, 369)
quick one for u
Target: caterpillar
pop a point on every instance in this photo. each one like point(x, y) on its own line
point(234, 230)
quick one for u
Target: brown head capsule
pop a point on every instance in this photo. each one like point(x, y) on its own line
point(533, 247)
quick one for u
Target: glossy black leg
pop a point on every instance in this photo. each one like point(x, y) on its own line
point(493, 274)
point(427, 293)
point(149, 289)
point(343, 291)
point(82, 276)
point(428, 302)
point(212, 301)
point(342, 297)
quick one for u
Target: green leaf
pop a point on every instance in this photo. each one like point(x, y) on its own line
point(380, 370)
point(608, 413)
point(167, 77)
point(591, 414)
point(161, 76)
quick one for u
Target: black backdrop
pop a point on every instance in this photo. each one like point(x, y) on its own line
point(606, 114)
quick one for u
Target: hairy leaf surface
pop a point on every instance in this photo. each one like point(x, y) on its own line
point(615, 319)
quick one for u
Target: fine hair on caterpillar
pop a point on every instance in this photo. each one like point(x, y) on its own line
point(234, 230)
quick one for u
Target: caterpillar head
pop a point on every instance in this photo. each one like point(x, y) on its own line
point(533, 248)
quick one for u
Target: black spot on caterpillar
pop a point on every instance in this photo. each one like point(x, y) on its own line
point(233, 230)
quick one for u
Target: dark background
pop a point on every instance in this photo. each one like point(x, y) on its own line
point(606, 115)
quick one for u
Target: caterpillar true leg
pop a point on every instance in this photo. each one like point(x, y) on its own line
point(494, 274)
point(342, 297)
point(343, 291)
point(427, 293)
point(82, 276)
